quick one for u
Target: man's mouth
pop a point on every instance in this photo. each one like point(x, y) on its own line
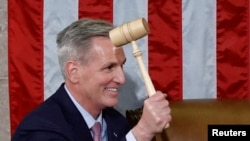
point(111, 89)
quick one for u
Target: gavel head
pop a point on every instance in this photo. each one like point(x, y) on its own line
point(128, 32)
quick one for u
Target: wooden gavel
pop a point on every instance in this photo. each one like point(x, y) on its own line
point(128, 33)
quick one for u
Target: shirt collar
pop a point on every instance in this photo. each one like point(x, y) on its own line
point(85, 114)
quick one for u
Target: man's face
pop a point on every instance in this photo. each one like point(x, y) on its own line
point(101, 77)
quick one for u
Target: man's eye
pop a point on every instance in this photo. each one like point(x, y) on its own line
point(110, 67)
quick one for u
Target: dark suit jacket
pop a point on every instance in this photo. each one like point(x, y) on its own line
point(57, 119)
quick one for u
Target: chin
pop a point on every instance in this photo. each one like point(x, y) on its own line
point(111, 103)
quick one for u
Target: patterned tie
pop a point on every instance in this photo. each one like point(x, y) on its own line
point(96, 128)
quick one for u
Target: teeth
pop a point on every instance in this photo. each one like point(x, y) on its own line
point(111, 89)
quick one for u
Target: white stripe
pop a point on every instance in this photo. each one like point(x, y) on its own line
point(199, 49)
point(133, 92)
point(57, 15)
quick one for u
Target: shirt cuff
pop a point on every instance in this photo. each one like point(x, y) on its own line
point(130, 136)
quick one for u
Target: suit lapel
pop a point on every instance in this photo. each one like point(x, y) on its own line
point(80, 130)
point(111, 130)
point(116, 128)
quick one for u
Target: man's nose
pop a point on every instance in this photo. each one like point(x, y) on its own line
point(119, 76)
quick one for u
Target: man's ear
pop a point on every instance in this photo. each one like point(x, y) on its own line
point(72, 71)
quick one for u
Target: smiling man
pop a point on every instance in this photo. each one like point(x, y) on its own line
point(93, 71)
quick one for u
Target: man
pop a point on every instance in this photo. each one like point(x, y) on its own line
point(93, 71)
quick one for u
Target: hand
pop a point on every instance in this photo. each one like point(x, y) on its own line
point(155, 116)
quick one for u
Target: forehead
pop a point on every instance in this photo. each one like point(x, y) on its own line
point(103, 47)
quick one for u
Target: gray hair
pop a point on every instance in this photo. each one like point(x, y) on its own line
point(74, 42)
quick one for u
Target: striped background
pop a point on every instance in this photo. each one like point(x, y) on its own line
point(196, 49)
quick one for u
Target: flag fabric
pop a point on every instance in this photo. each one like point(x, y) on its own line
point(195, 49)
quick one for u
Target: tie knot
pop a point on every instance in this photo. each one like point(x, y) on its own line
point(96, 128)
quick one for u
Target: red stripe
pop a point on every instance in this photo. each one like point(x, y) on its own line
point(165, 46)
point(25, 51)
point(233, 49)
point(96, 9)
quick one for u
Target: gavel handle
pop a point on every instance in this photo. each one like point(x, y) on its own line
point(148, 83)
